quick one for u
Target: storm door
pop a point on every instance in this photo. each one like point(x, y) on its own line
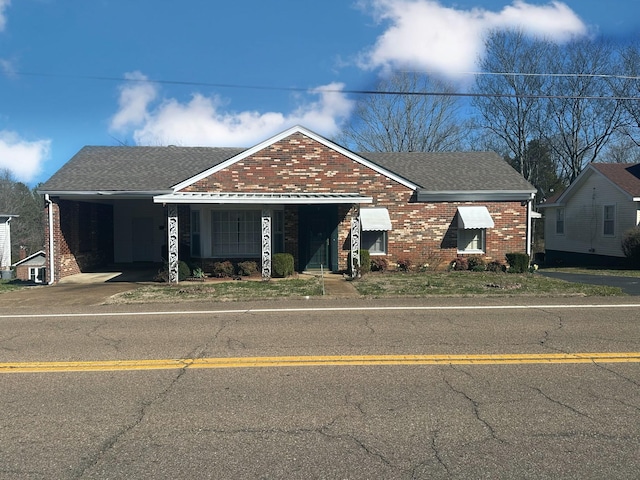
point(318, 237)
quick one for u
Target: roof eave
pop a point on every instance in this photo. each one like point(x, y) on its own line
point(475, 195)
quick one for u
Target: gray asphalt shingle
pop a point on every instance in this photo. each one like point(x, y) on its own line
point(159, 168)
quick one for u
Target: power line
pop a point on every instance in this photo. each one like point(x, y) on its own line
point(343, 91)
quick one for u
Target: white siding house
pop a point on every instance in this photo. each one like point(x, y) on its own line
point(5, 242)
point(585, 224)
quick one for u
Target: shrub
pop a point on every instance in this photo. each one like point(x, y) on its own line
point(495, 266)
point(404, 264)
point(247, 268)
point(631, 246)
point(282, 265)
point(163, 274)
point(518, 262)
point(365, 261)
point(223, 269)
point(198, 273)
point(459, 264)
point(477, 263)
point(379, 264)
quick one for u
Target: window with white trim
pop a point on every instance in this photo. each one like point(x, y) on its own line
point(471, 240)
point(560, 221)
point(375, 241)
point(609, 220)
point(236, 233)
point(36, 274)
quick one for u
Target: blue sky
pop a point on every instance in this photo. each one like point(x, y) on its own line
point(75, 72)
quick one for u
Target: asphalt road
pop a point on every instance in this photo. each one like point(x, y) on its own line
point(492, 420)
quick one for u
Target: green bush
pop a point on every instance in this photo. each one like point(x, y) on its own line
point(163, 274)
point(247, 268)
point(518, 262)
point(282, 265)
point(631, 246)
point(365, 262)
point(223, 269)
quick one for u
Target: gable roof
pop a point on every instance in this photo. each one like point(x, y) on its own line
point(112, 170)
point(623, 176)
point(39, 254)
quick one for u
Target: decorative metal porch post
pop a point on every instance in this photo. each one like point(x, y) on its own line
point(266, 244)
point(172, 218)
point(355, 244)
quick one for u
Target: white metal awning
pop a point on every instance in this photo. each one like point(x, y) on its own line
point(374, 219)
point(261, 198)
point(474, 217)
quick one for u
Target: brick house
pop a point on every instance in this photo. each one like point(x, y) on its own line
point(296, 192)
point(31, 268)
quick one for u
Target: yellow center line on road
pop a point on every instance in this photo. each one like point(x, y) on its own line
point(314, 361)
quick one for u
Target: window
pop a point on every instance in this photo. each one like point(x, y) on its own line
point(36, 274)
point(236, 233)
point(375, 241)
point(277, 231)
point(471, 240)
point(609, 223)
point(560, 221)
point(195, 233)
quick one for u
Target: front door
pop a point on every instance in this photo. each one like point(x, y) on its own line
point(318, 237)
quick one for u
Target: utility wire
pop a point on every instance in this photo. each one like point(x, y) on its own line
point(336, 90)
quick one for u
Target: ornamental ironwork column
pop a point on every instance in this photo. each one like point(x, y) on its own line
point(355, 244)
point(172, 219)
point(266, 244)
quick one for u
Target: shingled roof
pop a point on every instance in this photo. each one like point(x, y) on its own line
point(453, 171)
point(157, 169)
point(134, 169)
point(624, 175)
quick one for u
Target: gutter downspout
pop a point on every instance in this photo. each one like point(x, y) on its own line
point(51, 253)
point(529, 236)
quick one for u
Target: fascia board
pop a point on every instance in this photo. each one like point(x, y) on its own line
point(102, 193)
point(478, 195)
point(266, 201)
point(282, 136)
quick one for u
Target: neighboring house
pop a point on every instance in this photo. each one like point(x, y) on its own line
point(32, 268)
point(5, 243)
point(296, 192)
point(585, 224)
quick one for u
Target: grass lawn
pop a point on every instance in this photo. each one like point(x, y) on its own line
point(473, 283)
point(221, 291)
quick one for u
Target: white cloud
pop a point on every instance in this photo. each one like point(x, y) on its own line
point(3, 18)
point(21, 157)
point(425, 35)
point(204, 121)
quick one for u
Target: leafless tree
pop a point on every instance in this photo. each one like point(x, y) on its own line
point(506, 94)
point(580, 119)
point(405, 118)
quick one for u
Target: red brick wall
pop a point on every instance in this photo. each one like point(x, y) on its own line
point(82, 236)
point(422, 232)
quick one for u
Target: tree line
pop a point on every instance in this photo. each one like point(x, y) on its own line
point(27, 230)
point(548, 109)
